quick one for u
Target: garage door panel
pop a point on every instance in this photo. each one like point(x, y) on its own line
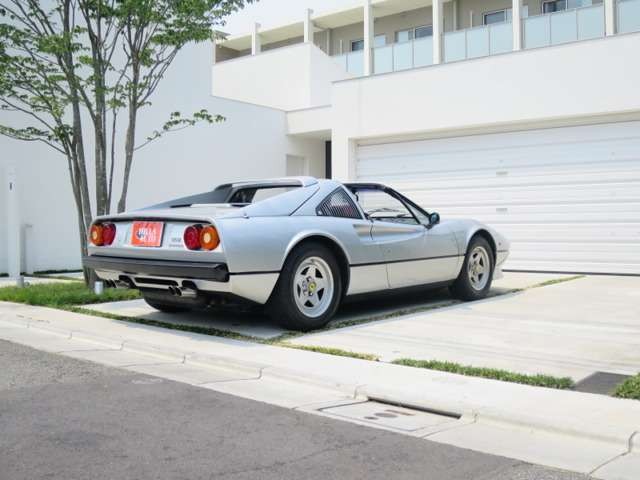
point(525, 196)
point(509, 179)
point(604, 212)
point(560, 195)
point(565, 232)
point(516, 156)
point(585, 266)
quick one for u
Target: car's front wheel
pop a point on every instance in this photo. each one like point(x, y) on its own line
point(309, 289)
point(474, 280)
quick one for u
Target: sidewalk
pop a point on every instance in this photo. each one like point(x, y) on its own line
point(570, 430)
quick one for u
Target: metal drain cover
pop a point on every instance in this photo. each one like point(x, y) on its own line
point(603, 383)
point(390, 416)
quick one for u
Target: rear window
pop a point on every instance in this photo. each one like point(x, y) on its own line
point(257, 194)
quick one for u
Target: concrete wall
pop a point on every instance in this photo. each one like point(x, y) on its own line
point(289, 78)
point(505, 92)
point(252, 143)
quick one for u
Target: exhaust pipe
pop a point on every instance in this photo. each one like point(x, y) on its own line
point(123, 283)
point(183, 292)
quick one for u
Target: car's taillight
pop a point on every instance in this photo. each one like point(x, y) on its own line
point(198, 237)
point(191, 237)
point(209, 238)
point(96, 235)
point(102, 234)
point(108, 233)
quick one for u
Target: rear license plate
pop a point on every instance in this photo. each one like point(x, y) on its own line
point(147, 234)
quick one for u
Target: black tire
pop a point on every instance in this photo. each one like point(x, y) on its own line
point(166, 306)
point(463, 288)
point(282, 306)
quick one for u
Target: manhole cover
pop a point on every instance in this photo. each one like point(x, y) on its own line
point(391, 416)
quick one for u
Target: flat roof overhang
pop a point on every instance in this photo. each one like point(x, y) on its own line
point(323, 21)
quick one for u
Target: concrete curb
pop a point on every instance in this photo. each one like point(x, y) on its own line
point(610, 421)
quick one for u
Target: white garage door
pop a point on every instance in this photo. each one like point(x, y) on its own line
point(567, 198)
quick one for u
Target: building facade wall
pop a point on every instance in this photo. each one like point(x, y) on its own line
point(505, 93)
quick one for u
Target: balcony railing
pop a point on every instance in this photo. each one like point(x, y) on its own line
point(582, 23)
point(353, 62)
point(403, 56)
point(478, 42)
point(628, 16)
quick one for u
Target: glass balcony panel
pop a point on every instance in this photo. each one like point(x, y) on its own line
point(500, 38)
point(341, 60)
point(537, 32)
point(423, 52)
point(628, 16)
point(383, 59)
point(564, 27)
point(355, 63)
point(402, 56)
point(454, 46)
point(478, 42)
point(591, 22)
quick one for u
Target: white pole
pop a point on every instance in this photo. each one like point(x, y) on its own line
point(437, 31)
point(610, 17)
point(13, 222)
point(308, 26)
point(256, 45)
point(368, 37)
point(516, 21)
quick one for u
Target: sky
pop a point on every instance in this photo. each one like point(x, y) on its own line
point(276, 12)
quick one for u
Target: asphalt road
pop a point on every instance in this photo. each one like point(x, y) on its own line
point(66, 419)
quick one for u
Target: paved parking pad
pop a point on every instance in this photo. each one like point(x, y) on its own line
point(257, 325)
point(550, 330)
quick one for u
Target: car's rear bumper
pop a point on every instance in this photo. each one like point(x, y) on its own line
point(161, 274)
point(217, 272)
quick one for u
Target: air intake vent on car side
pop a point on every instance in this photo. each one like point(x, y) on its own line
point(338, 204)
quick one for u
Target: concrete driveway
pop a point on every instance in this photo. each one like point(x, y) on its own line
point(255, 324)
point(573, 328)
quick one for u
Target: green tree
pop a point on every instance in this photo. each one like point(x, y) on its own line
point(73, 71)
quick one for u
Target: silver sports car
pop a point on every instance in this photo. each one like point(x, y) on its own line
point(298, 246)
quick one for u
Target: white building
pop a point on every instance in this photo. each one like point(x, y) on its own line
point(532, 126)
point(252, 142)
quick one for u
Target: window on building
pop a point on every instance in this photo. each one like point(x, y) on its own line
point(499, 16)
point(411, 33)
point(338, 204)
point(378, 41)
point(554, 6)
point(357, 45)
point(425, 31)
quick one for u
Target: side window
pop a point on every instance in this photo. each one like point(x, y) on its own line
point(382, 207)
point(338, 204)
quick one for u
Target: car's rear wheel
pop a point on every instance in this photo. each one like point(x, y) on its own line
point(309, 289)
point(476, 275)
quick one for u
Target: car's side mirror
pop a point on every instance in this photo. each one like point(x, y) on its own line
point(434, 219)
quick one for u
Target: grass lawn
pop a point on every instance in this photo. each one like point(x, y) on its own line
point(492, 373)
point(630, 388)
point(63, 294)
